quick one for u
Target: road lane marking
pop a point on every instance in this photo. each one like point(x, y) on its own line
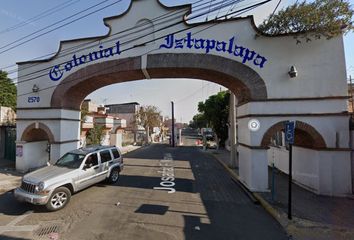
point(19, 218)
point(168, 174)
point(11, 226)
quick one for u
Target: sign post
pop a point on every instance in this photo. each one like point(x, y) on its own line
point(289, 139)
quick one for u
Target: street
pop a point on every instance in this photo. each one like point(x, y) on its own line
point(162, 193)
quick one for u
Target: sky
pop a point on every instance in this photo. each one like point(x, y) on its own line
point(17, 20)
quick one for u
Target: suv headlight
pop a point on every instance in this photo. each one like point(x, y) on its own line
point(40, 187)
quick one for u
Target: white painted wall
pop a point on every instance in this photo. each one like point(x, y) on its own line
point(323, 172)
point(117, 139)
point(327, 126)
point(34, 156)
point(253, 163)
point(280, 157)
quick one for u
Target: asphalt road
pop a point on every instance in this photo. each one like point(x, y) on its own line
point(206, 204)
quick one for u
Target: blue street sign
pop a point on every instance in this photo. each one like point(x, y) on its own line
point(290, 132)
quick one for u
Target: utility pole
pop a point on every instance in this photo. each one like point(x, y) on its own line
point(233, 154)
point(173, 125)
point(351, 93)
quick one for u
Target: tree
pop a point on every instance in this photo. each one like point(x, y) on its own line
point(8, 91)
point(198, 121)
point(84, 113)
point(95, 135)
point(149, 117)
point(328, 18)
point(215, 111)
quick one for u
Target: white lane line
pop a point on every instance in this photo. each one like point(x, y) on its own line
point(12, 228)
point(19, 218)
point(25, 228)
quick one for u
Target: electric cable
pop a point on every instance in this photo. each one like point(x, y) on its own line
point(95, 40)
point(40, 16)
point(63, 25)
point(132, 40)
point(110, 40)
point(130, 48)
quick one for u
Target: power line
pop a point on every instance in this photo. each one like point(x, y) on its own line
point(192, 94)
point(137, 38)
point(243, 10)
point(63, 25)
point(39, 16)
point(208, 10)
point(130, 48)
point(14, 65)
point(137, 30)
point(123, 62)
point(275, 9)
point(72, 48)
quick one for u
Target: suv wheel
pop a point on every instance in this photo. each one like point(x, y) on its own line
point(114, 176)
point(59, 198)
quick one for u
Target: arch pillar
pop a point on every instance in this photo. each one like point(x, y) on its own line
point(252, 158)
point(39, 130)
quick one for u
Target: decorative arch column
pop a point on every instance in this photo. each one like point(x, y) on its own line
point(34, 148)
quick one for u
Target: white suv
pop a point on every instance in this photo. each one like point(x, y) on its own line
point(53, 185)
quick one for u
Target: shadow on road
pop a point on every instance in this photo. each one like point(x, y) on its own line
point(230, 213)
point(182, 185)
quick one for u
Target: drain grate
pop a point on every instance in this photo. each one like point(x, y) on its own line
point(48, 231)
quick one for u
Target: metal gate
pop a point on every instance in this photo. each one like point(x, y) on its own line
point(10, 143)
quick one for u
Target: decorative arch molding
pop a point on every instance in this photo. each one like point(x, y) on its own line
point(243, 81)
point(37, 126)
point(306, 135)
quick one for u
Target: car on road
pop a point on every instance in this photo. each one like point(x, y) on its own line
point(53, 185)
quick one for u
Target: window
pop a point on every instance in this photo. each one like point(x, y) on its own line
point(70, 160)
point(92, 159)
point(115, 153)
point(105, 156)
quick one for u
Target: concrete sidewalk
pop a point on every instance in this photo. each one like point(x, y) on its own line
point(315, 217)
point(10, 179)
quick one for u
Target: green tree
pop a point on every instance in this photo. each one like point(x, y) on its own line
point(8, 91)
point(328, 18)
point(95, 135)
point(149, 117)
point(216, 113)
point(84, 113)
point(198, 121)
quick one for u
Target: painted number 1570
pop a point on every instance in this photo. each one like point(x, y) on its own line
point(34, 99)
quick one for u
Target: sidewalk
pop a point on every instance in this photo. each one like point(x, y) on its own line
point(10, 179)
point(315, 217)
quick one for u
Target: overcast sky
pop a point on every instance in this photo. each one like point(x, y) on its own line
point(15, 16)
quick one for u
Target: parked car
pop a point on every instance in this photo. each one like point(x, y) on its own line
point(53, 185)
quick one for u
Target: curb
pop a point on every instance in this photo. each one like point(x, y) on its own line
point(131, 150)
point(289, 226)
point(277, 215)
